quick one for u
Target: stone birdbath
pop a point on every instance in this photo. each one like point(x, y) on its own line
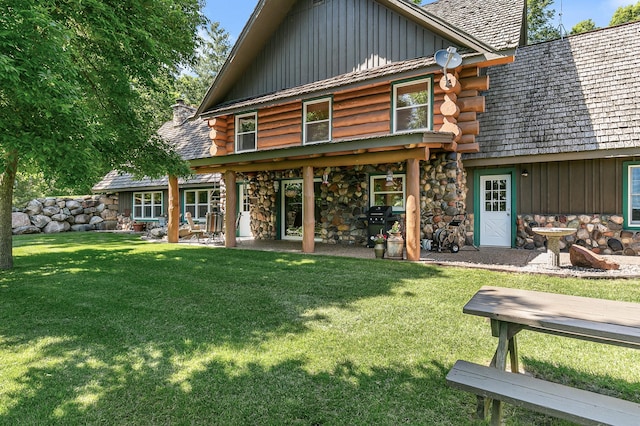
point(553, 242)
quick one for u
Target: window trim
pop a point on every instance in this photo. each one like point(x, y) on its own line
point(373, 192)
point(329, 100)
point(238, 117)
point(142, 206)
point(197, 204)
point(394, 97)
point(627, 187)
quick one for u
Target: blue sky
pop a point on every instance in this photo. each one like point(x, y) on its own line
point(233, 14)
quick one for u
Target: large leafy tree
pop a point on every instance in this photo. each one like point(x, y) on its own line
point(540, 21)
point(73, 79)
point(625, 14)
point(584, 26)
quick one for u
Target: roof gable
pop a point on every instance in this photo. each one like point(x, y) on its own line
point(293, 43)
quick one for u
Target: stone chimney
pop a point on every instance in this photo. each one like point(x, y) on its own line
point(181, 112)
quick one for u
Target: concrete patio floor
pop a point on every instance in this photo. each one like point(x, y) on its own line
point(491, 258)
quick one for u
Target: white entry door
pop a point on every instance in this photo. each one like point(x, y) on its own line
point(244, 226)
point(495, 210)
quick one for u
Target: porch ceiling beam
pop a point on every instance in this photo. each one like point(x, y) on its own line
point(328, 161)
point(399, 141)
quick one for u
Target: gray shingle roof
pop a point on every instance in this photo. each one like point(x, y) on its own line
point(115, 181)
point(573, 95)
point(496, 22)
point(191, 139)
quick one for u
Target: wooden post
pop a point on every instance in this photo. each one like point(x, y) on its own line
point(230, 209)
point(308, 211)
point(413, 209)
point(173, 225)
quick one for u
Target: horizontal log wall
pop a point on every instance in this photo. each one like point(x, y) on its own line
point(365, 111)
point(280, 126)
point(362, 112)
point(466, 85)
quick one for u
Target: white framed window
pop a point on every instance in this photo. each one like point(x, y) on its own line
point(631, 200)
point(198, 202)
point(246, 132)
point(147, 205)
point(412, 106)
point(388, 190)
point(317, 121)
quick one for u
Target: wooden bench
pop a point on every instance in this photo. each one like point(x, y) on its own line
point(513, 310)
point(561, 401)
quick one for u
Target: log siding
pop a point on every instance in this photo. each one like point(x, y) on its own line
point(364, 111)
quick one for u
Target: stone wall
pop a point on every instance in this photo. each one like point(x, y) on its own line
point(53, 215)
point(443, 183)
point(602, 234)
point(344, 199)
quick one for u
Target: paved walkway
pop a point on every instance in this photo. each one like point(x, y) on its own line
point(491, 258)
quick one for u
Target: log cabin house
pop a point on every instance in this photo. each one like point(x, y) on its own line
point(327, 108)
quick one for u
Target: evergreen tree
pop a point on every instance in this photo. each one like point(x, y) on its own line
point(213, 52)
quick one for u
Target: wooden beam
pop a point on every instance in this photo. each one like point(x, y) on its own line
point(230, 209)
point(413, 210)
point(308, 211)
point(396, 156)
point(173, 225)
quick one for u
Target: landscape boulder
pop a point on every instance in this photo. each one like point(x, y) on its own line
point(54, 227)
point(584, 258)
point(19, 219)
point(28, 229)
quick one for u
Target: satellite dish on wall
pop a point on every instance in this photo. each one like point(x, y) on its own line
point(447, 58)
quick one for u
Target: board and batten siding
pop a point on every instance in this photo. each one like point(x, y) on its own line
point(323, 39)
point(592, 186)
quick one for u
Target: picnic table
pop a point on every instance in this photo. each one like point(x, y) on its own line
point(513, 310)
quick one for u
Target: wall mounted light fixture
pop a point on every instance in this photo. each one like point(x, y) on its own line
point(389, 178)
point(276, 185)
point(524, 173)
point(325, 176)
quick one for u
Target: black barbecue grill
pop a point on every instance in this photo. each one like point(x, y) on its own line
point(379, 219)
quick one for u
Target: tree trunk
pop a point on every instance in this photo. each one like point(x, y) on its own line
point(7, 180)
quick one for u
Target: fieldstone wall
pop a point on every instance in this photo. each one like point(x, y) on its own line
point(53, 215)
point(602, 234)
point(444, 192)
point(344, 199)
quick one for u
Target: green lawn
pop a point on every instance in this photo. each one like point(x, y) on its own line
point(100, 328)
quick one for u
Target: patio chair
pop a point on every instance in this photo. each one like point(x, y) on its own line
point(193, 228)
point(214, 226)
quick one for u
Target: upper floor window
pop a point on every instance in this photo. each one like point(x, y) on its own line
point(317, 121)
point(412, 106)
point(246, 132)
point(147, 205)
point(388, 190)
point(631, 200)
